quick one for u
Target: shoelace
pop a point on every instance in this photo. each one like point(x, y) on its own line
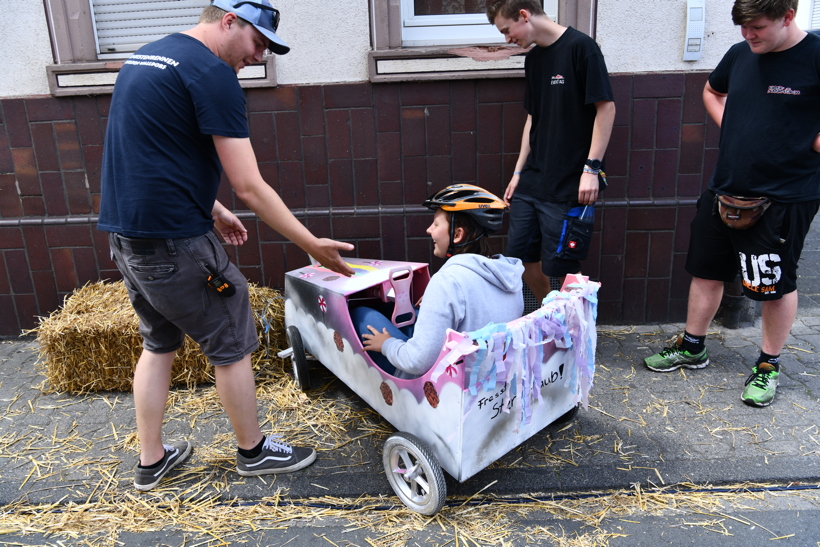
point(670, 350)
point(759, 379)
point(275, 442)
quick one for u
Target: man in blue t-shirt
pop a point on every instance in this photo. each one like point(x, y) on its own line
point(570, 113)
point(177, 121)
point(765, 96)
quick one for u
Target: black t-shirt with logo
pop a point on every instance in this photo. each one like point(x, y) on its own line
point(771, 119)
point(564, 80)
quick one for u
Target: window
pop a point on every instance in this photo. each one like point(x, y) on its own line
point(92, 38)
point(122, 28)
point(450, 22)
point(808, 15)
point(815, 15)
point(429, 39)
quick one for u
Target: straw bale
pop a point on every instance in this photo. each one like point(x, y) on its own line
point(93, 342)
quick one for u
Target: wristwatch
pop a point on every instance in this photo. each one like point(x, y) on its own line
point(594, 164)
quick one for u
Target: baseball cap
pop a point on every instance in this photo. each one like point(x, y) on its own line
point(259, 13)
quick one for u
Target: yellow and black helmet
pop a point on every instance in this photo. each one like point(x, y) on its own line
point(486, 208)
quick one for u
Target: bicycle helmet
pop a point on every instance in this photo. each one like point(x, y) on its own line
point(485, 208)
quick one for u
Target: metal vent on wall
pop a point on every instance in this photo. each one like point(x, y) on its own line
point(530, 303)
point(123, 26)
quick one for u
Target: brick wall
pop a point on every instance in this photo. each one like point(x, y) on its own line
point(354, 162)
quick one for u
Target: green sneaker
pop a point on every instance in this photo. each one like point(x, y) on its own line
point(673, 358)
point(760, 386)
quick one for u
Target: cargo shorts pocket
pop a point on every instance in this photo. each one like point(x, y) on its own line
point(153, 272)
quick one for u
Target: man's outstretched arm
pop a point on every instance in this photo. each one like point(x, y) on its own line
point(239, 162)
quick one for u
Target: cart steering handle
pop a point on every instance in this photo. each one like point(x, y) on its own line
point(401, 288)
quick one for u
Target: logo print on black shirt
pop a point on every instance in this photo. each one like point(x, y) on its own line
point(782, 90)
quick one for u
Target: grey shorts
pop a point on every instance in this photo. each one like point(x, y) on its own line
point(166, 278)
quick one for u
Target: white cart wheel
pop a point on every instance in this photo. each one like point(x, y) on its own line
point(414, 473)
point(300, 366)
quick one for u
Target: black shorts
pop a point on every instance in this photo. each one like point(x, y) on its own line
point(765, 255)
point(166, 278)
point(551, 233)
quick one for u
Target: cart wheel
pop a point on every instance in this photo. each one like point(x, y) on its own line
point(414, 473)
point(566, 417)
point(300, 366)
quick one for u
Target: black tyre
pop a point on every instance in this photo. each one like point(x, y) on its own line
point(300, 366)
point(566, 417)
point(414, 473)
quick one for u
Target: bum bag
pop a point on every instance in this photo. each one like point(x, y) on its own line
point(740, 212)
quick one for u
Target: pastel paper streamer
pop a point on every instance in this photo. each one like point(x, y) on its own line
point(514, 353)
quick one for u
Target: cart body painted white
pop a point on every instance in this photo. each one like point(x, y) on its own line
point(488, 391)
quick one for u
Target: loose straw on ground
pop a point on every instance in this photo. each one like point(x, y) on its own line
point(100, 323)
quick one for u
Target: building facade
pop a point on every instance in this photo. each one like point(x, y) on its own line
point(355, 128)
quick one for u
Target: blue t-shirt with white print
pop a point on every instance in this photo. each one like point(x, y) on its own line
point(160, 171)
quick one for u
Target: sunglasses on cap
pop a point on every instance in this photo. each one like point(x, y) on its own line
point(268, 12)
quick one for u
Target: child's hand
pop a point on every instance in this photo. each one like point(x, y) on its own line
point(373, 342)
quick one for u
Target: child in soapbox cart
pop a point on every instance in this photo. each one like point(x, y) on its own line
point(475, 379)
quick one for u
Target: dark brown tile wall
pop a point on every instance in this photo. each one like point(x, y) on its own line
point(365, 146)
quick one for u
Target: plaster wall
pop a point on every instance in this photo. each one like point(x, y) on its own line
point(329, 41)
point(648, 35)
point(26, 51)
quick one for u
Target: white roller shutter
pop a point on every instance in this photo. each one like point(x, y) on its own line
point(815, 15)
point(122, 26)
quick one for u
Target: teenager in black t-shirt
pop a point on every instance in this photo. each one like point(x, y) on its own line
point(570, 112)
point(765, 96)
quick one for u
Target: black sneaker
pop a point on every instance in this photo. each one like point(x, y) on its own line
point(277, 456)
point(146, 479)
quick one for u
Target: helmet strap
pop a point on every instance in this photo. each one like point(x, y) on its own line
point(465, 243)
point(454, 246)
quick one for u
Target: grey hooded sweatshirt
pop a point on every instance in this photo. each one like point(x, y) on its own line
point(466, 294)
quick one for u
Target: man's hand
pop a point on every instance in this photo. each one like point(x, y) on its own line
point(229, 226)
point(816, 145)
point(588, 189)
point(508, 193)
point(326, 252)
point(374, 342)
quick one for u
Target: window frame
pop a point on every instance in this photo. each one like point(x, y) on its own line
point(74, 49)
point(461, 29)
point(389, 52)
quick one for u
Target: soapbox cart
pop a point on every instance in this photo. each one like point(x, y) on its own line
point(488, 391)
